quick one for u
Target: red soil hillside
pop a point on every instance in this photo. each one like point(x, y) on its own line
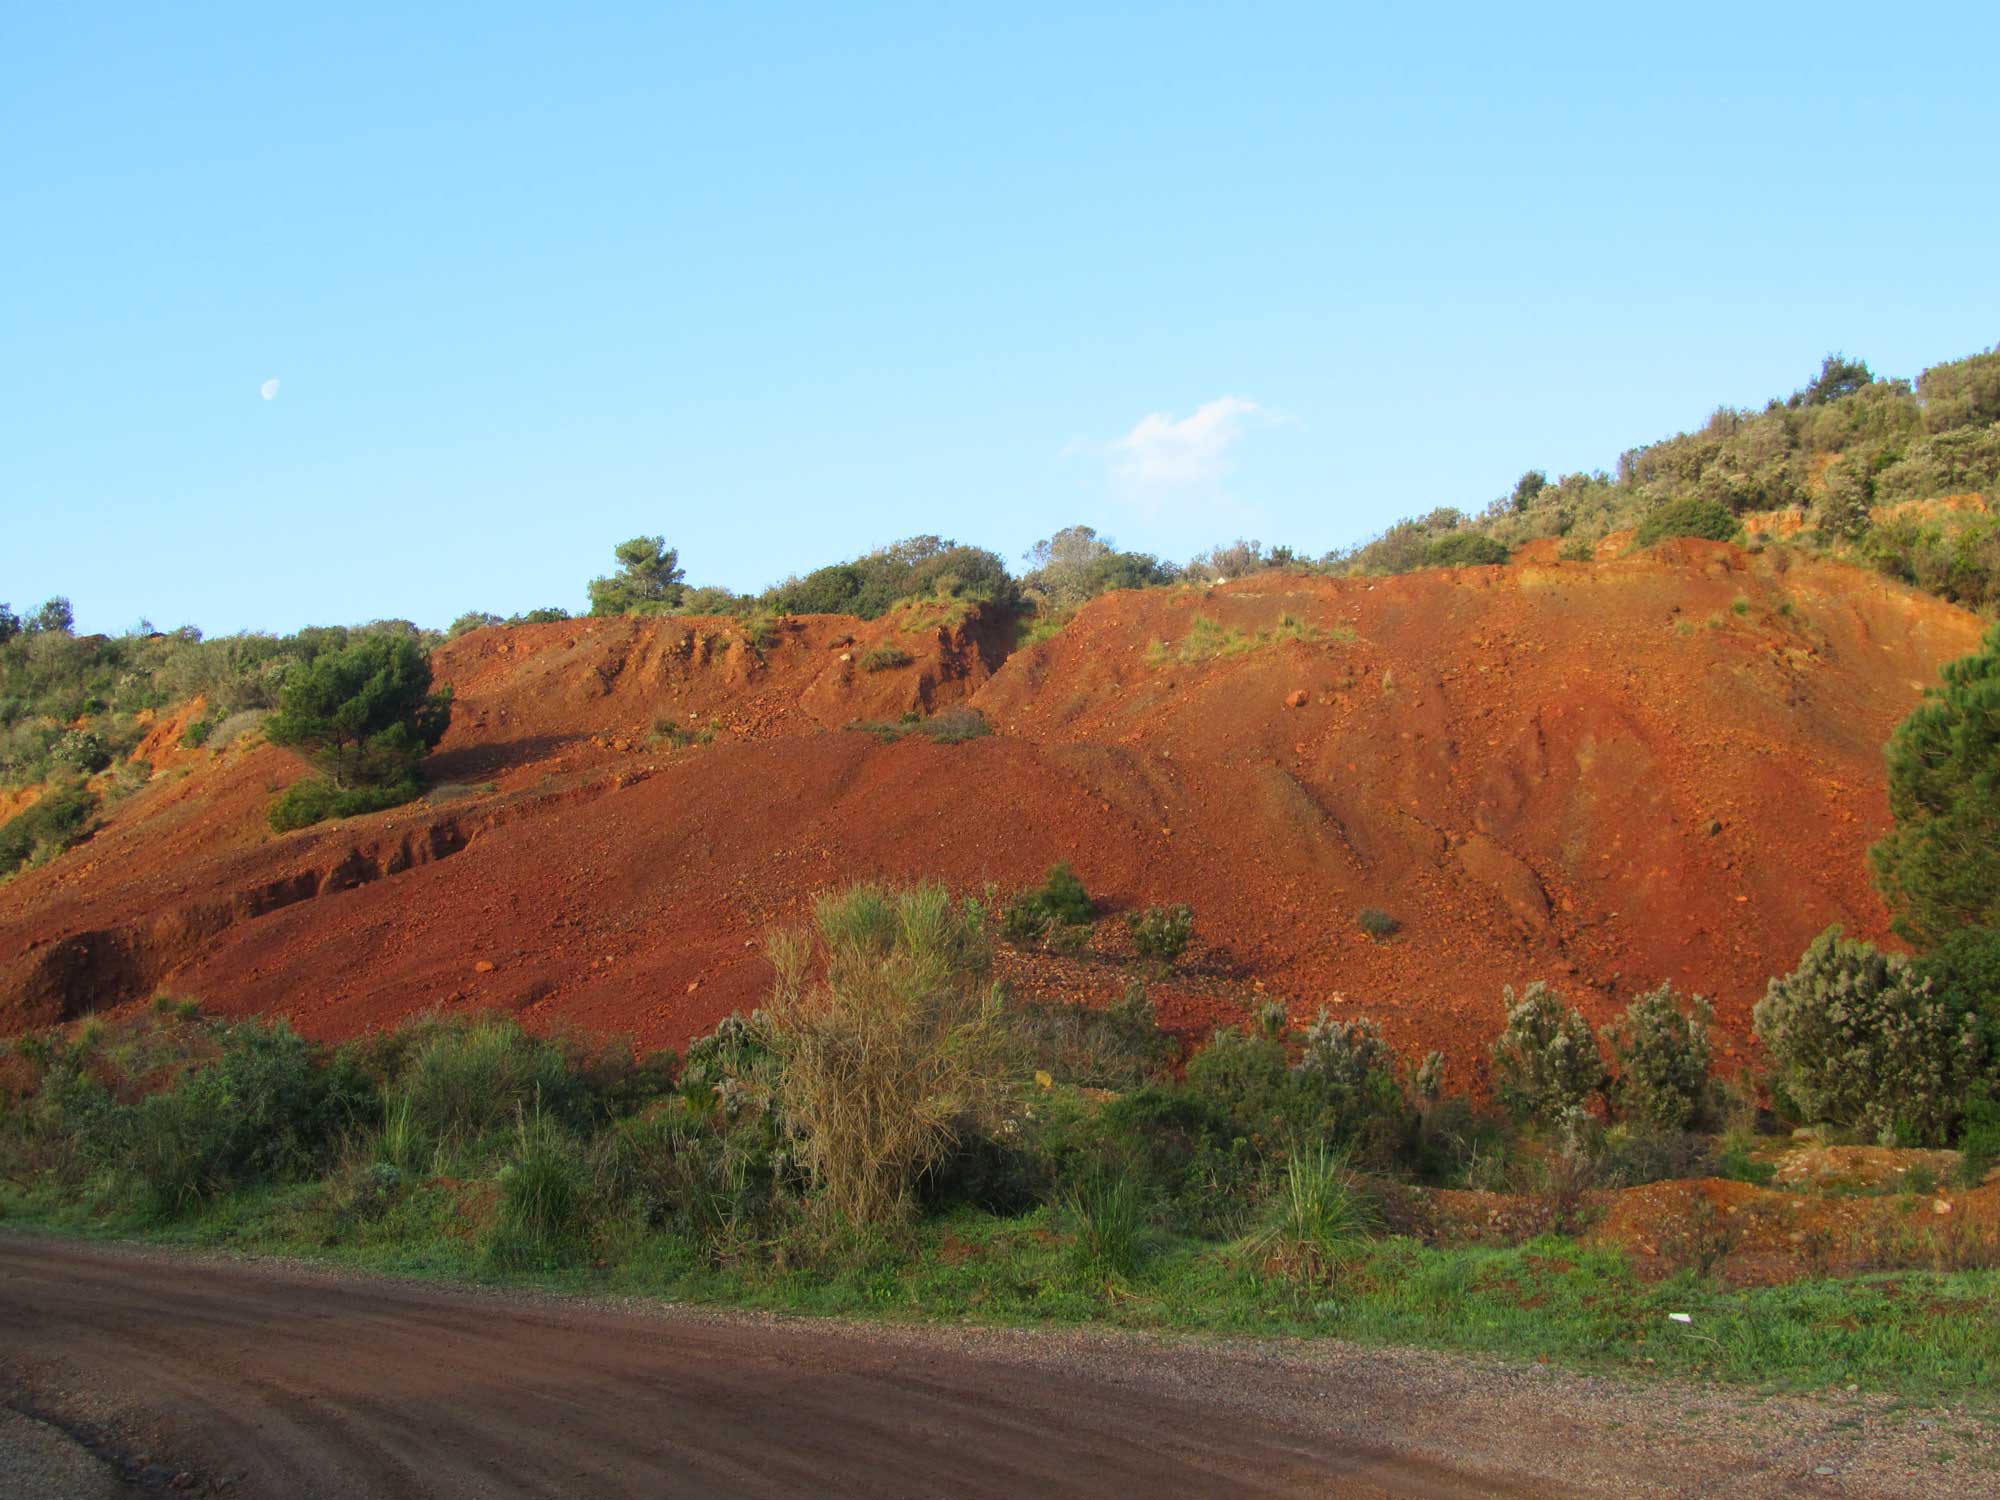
point(1604, 774)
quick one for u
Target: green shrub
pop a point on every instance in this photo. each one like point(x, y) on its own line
point(1964, 973)
point(1465, 549)
point(1346, 1088)
point(82, 750)
point(1661, 1057)
point(1689, 516)
point(700, 1172)
point(1856, 1038)
point(952, 726)
point(1076, 565)
point(1177, 1145)
point(1377, 923)
point(60, 818)
point(919, 567)
point(1545, 1060)
point(1940, 866)
point(670, 732)
point(197, 733)
point(1979, 1146)
point(886, 658)
point(1160, 934)
point(450, 1088)
point(315, 799)
point(270, 1107)
point(1961, 393)
point(1245, 1079)
point(471, 620)
point(456, 1084)
point(1060, 902)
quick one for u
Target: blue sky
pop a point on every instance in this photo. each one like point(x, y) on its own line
point(787, 282)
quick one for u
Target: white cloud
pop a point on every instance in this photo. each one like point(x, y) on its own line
point(268, 390)
point(1161, 452)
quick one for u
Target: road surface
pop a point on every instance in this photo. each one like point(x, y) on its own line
point(221, 1376)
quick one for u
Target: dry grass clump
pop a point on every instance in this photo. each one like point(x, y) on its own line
point(890, 1034)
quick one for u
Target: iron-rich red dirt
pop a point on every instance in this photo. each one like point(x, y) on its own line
point(1604, 774)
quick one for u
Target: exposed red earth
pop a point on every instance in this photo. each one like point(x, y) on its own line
point(1602, 774)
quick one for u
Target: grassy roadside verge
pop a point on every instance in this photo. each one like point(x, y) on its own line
point(1922, 1336)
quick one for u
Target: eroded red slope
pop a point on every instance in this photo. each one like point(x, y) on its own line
point(1603, 774)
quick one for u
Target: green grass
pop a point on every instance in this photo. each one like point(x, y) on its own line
point(1207, 640)
point(1923, 1335)
point(951, 726)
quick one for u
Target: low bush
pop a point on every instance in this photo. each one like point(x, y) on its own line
point(315, 799)
point(1107, 1216)
point(1545, 1060)
point(545, 1202)
point(886, 658)
point(1661, 1061)
point(1344, 1087)
point(82, 750)
point(1688, 516)
point(952, 726)
point(1857, 1038)
point(61, 818)
point(1061, 901)
point(1160, 934)
point(1465, 549)
point(1377, 923)
point(678, 736)
point(269, 1106)
point(456, 1087)
point(1347, 1080)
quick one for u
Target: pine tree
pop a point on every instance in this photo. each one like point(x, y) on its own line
point(1940, 867)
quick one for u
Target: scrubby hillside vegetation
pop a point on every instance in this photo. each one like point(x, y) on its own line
point(1904, 477)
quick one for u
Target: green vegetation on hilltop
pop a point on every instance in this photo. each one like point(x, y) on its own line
point(72, 707)
point(1844, 445)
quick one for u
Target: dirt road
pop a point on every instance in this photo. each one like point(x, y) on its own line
point(217, 1376)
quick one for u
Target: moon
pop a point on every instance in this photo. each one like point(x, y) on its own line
point(268, 390)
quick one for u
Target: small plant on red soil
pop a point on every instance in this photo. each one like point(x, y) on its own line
point(1378, 924)
point(1160, 934)
point(1060, 902)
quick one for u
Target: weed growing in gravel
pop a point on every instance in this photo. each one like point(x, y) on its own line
point(1160, 934)
point(952, 726)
